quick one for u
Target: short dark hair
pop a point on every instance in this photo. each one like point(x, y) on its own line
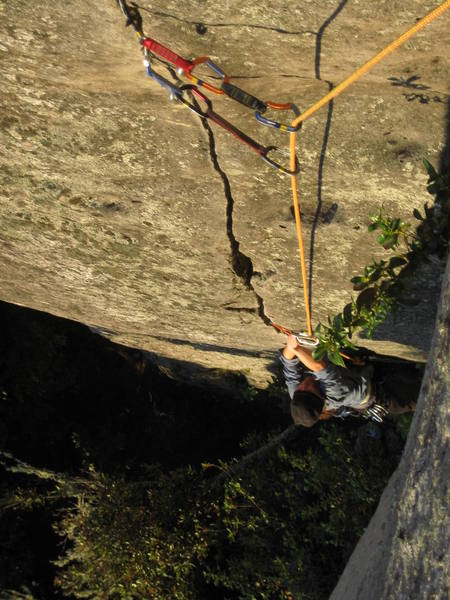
point(306, 408)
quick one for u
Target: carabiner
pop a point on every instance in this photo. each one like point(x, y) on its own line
point(240, 135)
point(157, 48)
point(277, 166)
point(308, 341)
point(276, 124)
point(184, 66)
point(207, 62)
point(175, 91)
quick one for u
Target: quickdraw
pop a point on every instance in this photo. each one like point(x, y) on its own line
point(175, 91)
point(184, 66)
point(259, 106)
point(263, 151)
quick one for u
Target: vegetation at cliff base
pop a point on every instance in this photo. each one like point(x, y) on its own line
point(120, 483)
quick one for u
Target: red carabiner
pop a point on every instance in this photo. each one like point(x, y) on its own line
point(186, 66)
point(172, 57)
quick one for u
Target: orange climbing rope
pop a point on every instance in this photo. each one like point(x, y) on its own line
point(325, 100)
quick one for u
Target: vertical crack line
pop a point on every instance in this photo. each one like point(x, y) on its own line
point(241, 264)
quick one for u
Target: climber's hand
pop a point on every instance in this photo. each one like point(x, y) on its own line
point(292, 342)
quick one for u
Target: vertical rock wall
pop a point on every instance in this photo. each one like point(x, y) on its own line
point(404, 551)
point(125, 211)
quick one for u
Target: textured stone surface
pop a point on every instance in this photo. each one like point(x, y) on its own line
point(126, 212)
point(404, 551)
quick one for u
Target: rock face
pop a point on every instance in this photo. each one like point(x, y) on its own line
point(404, 551)
point(129, 213)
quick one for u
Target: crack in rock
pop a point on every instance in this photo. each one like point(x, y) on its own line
point(202, 29)
point(240, 262)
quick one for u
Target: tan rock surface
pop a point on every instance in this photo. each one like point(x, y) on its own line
point(113, 211)
point(404, 552)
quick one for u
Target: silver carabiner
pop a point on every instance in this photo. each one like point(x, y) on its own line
point(308, 341)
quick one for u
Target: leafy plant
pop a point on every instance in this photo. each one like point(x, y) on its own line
point(383, 284)
point(390, 229)
point(332, 339)
point(282, 528)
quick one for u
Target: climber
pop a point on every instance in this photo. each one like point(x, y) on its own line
point(319, 389)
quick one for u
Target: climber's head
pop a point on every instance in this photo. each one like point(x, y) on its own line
point(307, 405)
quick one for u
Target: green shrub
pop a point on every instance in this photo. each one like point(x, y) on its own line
point(283, 528)
point(132, 540)
point(383, 284)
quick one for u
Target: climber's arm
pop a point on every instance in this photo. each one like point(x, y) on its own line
point(293, 349)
